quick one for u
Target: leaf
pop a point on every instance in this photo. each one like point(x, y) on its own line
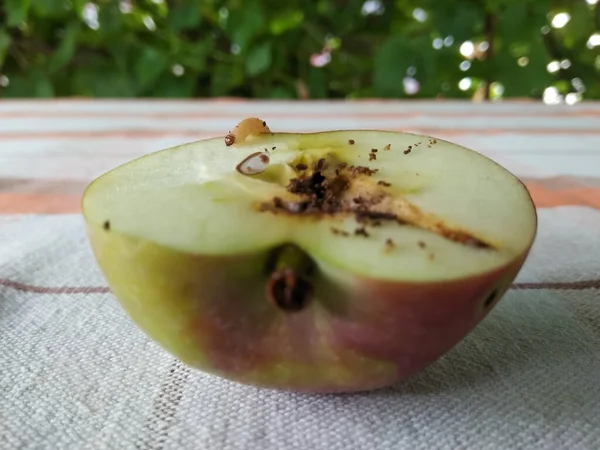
point(170, 86)
point(43, 85)
point(150, 64)
point(32, 84)
point(185, 16)
point(246, 23)
point(16, 11)
point(5, 41)
point(101, 80)
point(317, 83)
point(522, 81)
point(391, 63)
point(259, 59)
point(50, 8)
point(286, 21)
point(225, 78)
point(581, 25)
point(66, 49)
point(194, 56)
point(112, 21)
point(282, 92)
point(460, 19)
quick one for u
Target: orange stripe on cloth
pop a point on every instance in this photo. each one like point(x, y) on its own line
point(543, 196)
point(39, 204)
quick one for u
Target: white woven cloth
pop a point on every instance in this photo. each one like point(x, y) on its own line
point(75, 373)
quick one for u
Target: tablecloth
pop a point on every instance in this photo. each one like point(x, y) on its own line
point(75, 373)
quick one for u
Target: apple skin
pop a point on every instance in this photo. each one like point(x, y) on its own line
point(357, 334)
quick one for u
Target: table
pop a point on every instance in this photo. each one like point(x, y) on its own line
point(76, 374)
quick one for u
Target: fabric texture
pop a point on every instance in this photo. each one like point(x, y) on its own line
point(76, 373)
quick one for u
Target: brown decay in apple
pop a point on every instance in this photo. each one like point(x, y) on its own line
point(389, 245)
point(335, 188)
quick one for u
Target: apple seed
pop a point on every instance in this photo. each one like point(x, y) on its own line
point(253, 164)
point(289, 286)
point(288, 291)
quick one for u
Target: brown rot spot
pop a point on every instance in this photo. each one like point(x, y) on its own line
point(321, 165)
point(351, 142)
point(229, 140)
point(289, 291)
point(344, 190)
point(389, 245)
point(301, 166)
point(372, 156)
point(339, 232)
point(384, 183)
point(387, 147)
point(408, 150)
point(490, 298)
point(361, 231)
point(264, 124)
point(422, 244)
point(106, 225)
point(361, 170)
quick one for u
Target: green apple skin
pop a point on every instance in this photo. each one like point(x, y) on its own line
point(357, 333)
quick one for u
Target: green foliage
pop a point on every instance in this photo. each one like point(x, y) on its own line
point(299, 49)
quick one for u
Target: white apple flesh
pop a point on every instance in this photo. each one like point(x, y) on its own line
point(268, 276)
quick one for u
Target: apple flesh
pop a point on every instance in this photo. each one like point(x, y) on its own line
point(325, 262)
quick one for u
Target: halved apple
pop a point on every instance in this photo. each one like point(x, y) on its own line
point(324, 262)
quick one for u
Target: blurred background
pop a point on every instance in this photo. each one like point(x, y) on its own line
point(471, 49)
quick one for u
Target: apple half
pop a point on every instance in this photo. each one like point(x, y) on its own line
point(335, 261)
